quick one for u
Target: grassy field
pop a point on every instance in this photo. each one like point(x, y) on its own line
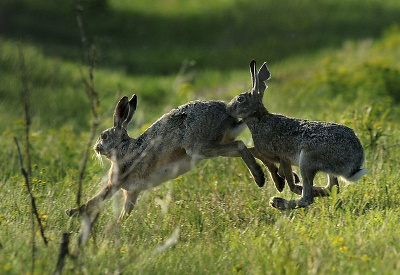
point(330, 60)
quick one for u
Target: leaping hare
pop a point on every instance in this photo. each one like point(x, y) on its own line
point(313, 146)
point(173, 145)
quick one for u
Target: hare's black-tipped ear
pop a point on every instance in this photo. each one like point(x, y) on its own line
point(132, 108)
point(263, 75)
point(121, 111)
point(254, 78)
point(253, 72)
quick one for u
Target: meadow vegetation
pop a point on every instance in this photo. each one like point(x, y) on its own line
point(330, 60)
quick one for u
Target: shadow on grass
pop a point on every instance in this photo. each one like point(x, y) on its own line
point(224, 37)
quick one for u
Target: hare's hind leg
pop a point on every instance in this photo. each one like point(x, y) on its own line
point(129, 204)
point(234, 149)
point(308, 173)
point(319, 191)
point(332, 182)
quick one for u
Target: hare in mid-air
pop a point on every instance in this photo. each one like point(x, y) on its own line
point(312, 145)
point(171, 146)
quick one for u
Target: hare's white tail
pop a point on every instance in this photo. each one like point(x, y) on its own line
point(357, 175)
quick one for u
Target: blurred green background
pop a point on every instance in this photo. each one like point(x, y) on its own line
point(141, 47)
point(138, 37)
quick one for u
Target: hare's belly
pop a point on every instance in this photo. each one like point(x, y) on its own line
point(165, 173)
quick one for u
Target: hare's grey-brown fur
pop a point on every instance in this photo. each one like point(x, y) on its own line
point(171, 146)
point(312, 145)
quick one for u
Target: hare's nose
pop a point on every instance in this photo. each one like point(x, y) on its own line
point(97, 147)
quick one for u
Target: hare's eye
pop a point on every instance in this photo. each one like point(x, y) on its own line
point(104, 136)
point(240, 99)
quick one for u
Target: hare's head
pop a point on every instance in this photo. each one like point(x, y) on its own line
point(247, 103)
point(112, 138)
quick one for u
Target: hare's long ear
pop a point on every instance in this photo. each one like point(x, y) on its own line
point(263, 75)
point(253, 72)
point(254, 78)
point(121, 111)
point(132, 108)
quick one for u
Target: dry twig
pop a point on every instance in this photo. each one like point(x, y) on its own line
point(28, 186)
point(64, 251)
point(26, 173)
point(89, 61)
point(25, 102)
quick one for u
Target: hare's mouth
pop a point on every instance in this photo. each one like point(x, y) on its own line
point(98, 156)
point(98, 149)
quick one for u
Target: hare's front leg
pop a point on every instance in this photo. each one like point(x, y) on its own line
point(278, 176)
point(282, 174)
point(95, 202)
point(286, 167)
point(234, 149)
point(278, 180)
point(129, 204)
point(252, 164)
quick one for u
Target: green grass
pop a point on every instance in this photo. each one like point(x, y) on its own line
point(343, 68)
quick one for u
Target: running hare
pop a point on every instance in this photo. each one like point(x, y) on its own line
point(173, 145)
point(311, 145)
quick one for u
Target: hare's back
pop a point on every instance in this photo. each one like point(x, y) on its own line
point(206, 121)
point(196, 118)
point(328, 135)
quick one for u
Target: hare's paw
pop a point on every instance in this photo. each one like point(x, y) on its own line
point(282, 204)
point(123, 216)
point(297, 189)
point(259, 176)
point(260, 181)
point(279, 182)
point(71, 212)
point(300, 203)
point(279, 203)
